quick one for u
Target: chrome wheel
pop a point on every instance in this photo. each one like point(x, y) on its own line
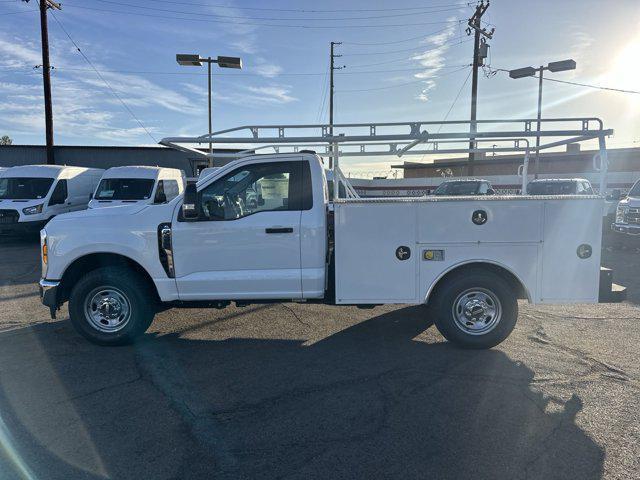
point(107, 309)
point(477, 311)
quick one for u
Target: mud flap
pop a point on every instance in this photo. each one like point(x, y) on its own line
point(610, 292)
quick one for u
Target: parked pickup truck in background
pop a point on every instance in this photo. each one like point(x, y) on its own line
point(32, 194)
point(628, 213)
point(560, 186)
point(469, 259)
point(464, 186)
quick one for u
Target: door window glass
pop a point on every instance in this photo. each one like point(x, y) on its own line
point(260, 187)
point(171, 189)
point(59, 194)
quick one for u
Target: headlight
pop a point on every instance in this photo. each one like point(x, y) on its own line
point(620, 211)
point(32, 210)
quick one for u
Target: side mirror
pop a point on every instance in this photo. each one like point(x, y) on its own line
point(161, 197)
point(260, 201)
point(491, 191)
point(190, 206)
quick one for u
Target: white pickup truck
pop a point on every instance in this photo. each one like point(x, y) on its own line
point(468, 258)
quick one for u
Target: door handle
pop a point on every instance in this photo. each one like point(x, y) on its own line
point(279, 230)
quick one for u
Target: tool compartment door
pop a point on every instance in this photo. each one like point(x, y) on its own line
point(367, 237)
point(569, 223)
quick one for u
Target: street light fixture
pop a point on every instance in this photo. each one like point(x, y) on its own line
point(560, 66)
point(195, 60)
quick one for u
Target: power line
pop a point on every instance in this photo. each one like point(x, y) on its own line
point(242, 17)
point(424, 36)
point(235, 75)
point(401, 84)
point(115, 94)
point(404, 58)
point(412, 49)
point(578, 84)
point(278, 25)
point(16, 13)
point(323, 94)
point(174, 2)
point(464, 84)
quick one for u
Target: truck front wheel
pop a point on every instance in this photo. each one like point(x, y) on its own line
point(111, 306)
point(475, 309)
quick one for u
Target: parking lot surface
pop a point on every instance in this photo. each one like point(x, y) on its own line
point(312, 391)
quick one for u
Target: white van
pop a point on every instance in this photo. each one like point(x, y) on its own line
point(138, 184)
point(31, 195)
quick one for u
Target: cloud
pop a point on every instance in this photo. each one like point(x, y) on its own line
point(267, 70)
point(433, 59)
point(273, 94)
point(250, 96)
point(83, 105)
point(18, 53)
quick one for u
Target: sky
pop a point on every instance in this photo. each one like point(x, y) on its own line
point(404, 60)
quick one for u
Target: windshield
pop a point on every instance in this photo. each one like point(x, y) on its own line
point(124, 189)
point(635, 190)
point(551, 188)
point(24, 188)
point(457, 188)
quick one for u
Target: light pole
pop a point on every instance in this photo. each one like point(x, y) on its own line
point(194, 60)
point(560, 66)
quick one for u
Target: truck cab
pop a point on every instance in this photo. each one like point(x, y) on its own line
point(137, 184)
point(31, 195)
point(628, 213)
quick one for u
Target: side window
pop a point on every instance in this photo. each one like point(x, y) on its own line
point(171, 189)
point(484, 188)
point(160, 196)
point(261, 187)
point(59, 194)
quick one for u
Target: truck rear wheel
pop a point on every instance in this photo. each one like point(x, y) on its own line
point(475, 309)
point(111, 306)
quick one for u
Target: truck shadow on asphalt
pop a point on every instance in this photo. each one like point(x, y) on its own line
point(370, 401)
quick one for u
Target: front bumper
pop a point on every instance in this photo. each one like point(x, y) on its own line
point(49, 295)
point(22, 228)
point(626, 228)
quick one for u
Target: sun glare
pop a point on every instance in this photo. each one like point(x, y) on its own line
point(625, 71)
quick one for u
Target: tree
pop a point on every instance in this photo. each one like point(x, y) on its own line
point(5, 140)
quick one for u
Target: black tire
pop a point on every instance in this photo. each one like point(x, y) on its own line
point(489, 283)
point(131, 286)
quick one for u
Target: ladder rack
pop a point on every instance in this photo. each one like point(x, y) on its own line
point(402, 138)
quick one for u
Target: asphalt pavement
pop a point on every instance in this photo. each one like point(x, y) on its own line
point(312, 391)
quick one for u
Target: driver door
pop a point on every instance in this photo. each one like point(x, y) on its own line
point(244, 245)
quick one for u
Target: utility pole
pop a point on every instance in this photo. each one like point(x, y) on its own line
point(46, 76)
point(332, 67)
point(480, 49)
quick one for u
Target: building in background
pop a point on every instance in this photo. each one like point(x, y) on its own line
point(503, 171)
point(110, 156)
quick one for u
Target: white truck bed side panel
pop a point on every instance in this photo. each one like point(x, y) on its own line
point(508, 221)
point(534, 239)
point(367, 270)
point(565, 278)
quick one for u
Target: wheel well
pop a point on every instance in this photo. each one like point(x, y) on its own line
point(83, 265)
point(508, 276)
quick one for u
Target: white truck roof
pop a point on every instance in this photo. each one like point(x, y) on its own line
point(140, 171)
point(48, 171)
